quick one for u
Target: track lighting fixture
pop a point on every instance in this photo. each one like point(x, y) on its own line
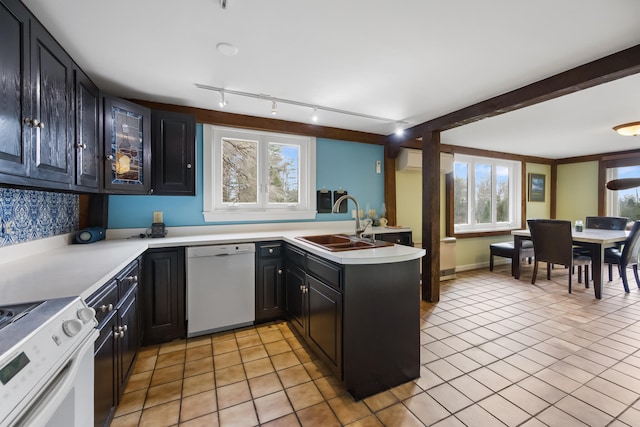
point(223, 102)
point(400, 125)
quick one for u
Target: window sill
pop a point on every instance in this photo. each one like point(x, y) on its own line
point(234, 216)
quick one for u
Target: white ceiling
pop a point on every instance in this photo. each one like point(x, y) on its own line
point(408, 60)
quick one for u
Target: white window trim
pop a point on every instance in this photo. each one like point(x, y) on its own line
point(215, 211)
point(515, 192)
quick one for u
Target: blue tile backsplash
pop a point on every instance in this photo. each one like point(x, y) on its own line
point(30, 215)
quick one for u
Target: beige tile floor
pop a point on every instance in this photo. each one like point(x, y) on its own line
point(495, 351)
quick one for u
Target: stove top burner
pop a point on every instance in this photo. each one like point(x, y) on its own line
point(11, 313)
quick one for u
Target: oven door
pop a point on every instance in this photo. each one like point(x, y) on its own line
point(66, 400)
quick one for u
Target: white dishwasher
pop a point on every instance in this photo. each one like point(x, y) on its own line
point(220, 287)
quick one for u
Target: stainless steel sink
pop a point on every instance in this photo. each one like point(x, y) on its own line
point(342, 242)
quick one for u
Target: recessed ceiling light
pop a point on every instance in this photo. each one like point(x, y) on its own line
point(227, 49)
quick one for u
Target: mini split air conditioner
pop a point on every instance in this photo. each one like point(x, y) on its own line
point(411, 160)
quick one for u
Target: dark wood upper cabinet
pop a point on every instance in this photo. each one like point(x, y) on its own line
point(52, 116)
point(49, 131)
point(14, 88)
point(127, 147)
point(173, 153)
point(87, 145)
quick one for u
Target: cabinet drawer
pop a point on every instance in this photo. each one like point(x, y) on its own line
point(295, 256)
point(128, 279)
point(403, 238)
point(104, 301)
point(329, 273)
point(269, 250)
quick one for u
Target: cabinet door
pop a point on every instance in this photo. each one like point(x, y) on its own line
point(14, 88)
point(128, 337)
point(87, 146)
point(173, 153)
point(269, 298)
point(105, 397)
point(127, 147)
point(163, 296)
point(53, 134)
point(295, 282)
point(325, 321)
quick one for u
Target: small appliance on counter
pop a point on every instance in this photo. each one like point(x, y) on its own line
point(90, 235)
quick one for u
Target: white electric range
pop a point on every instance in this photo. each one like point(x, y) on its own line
point(46, 363)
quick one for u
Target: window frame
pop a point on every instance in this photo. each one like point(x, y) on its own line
point(214, 210)
point(515, 193)
point(610, 198)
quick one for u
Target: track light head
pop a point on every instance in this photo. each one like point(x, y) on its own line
point(274, 108)
point(314, 116)
point(223, 102)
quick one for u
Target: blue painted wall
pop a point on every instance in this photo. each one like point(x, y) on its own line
point(340, 164)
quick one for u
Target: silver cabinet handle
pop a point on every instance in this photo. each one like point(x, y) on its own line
point(132, 278)
point(270, 250)
point(188, 165)
point(81, 146)
point(279, 271)
point(110, 157)
point(34, 123)
point(105, 308)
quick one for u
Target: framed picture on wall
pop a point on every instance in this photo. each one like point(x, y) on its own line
point(536, 187)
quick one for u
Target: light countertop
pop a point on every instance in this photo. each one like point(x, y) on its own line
point(54, 270)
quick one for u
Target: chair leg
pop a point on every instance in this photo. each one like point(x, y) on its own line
point(535, 272)
point(570, 275)
point(548, 271)
point(491, 262)
point(586, 277)
point(579, 274)
point(610, 272)
point(625, 283)
point(635, 273)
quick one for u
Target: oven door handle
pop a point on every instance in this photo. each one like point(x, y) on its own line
point(44, 405)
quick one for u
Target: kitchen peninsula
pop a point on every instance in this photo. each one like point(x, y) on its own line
point(374, 344)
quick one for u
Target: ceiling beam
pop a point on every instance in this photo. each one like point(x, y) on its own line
point(603, 70)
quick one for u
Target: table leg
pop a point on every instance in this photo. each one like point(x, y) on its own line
point(597, 256)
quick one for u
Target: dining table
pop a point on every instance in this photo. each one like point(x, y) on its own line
point(595, 240)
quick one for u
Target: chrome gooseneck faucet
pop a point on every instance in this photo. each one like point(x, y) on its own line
point(336, 206)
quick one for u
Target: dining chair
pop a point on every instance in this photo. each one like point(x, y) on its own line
point(626, 257)
point(603, 223)
point(553, 244)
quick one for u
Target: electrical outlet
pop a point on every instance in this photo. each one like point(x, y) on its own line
point(378, 166)
point(8, 227)
point(353, 213)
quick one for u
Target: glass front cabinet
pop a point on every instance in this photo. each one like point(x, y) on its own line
point(127, 146)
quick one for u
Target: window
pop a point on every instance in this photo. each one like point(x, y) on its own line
point(486, 194)
point(625, 203)
point(254, 176)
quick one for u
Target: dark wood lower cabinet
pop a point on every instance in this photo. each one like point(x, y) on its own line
point(105, 369)
point(362, 320)
point(117, 311)
point(325, 320)
point(163, 296)
point(294, 298)
point(269, 282)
